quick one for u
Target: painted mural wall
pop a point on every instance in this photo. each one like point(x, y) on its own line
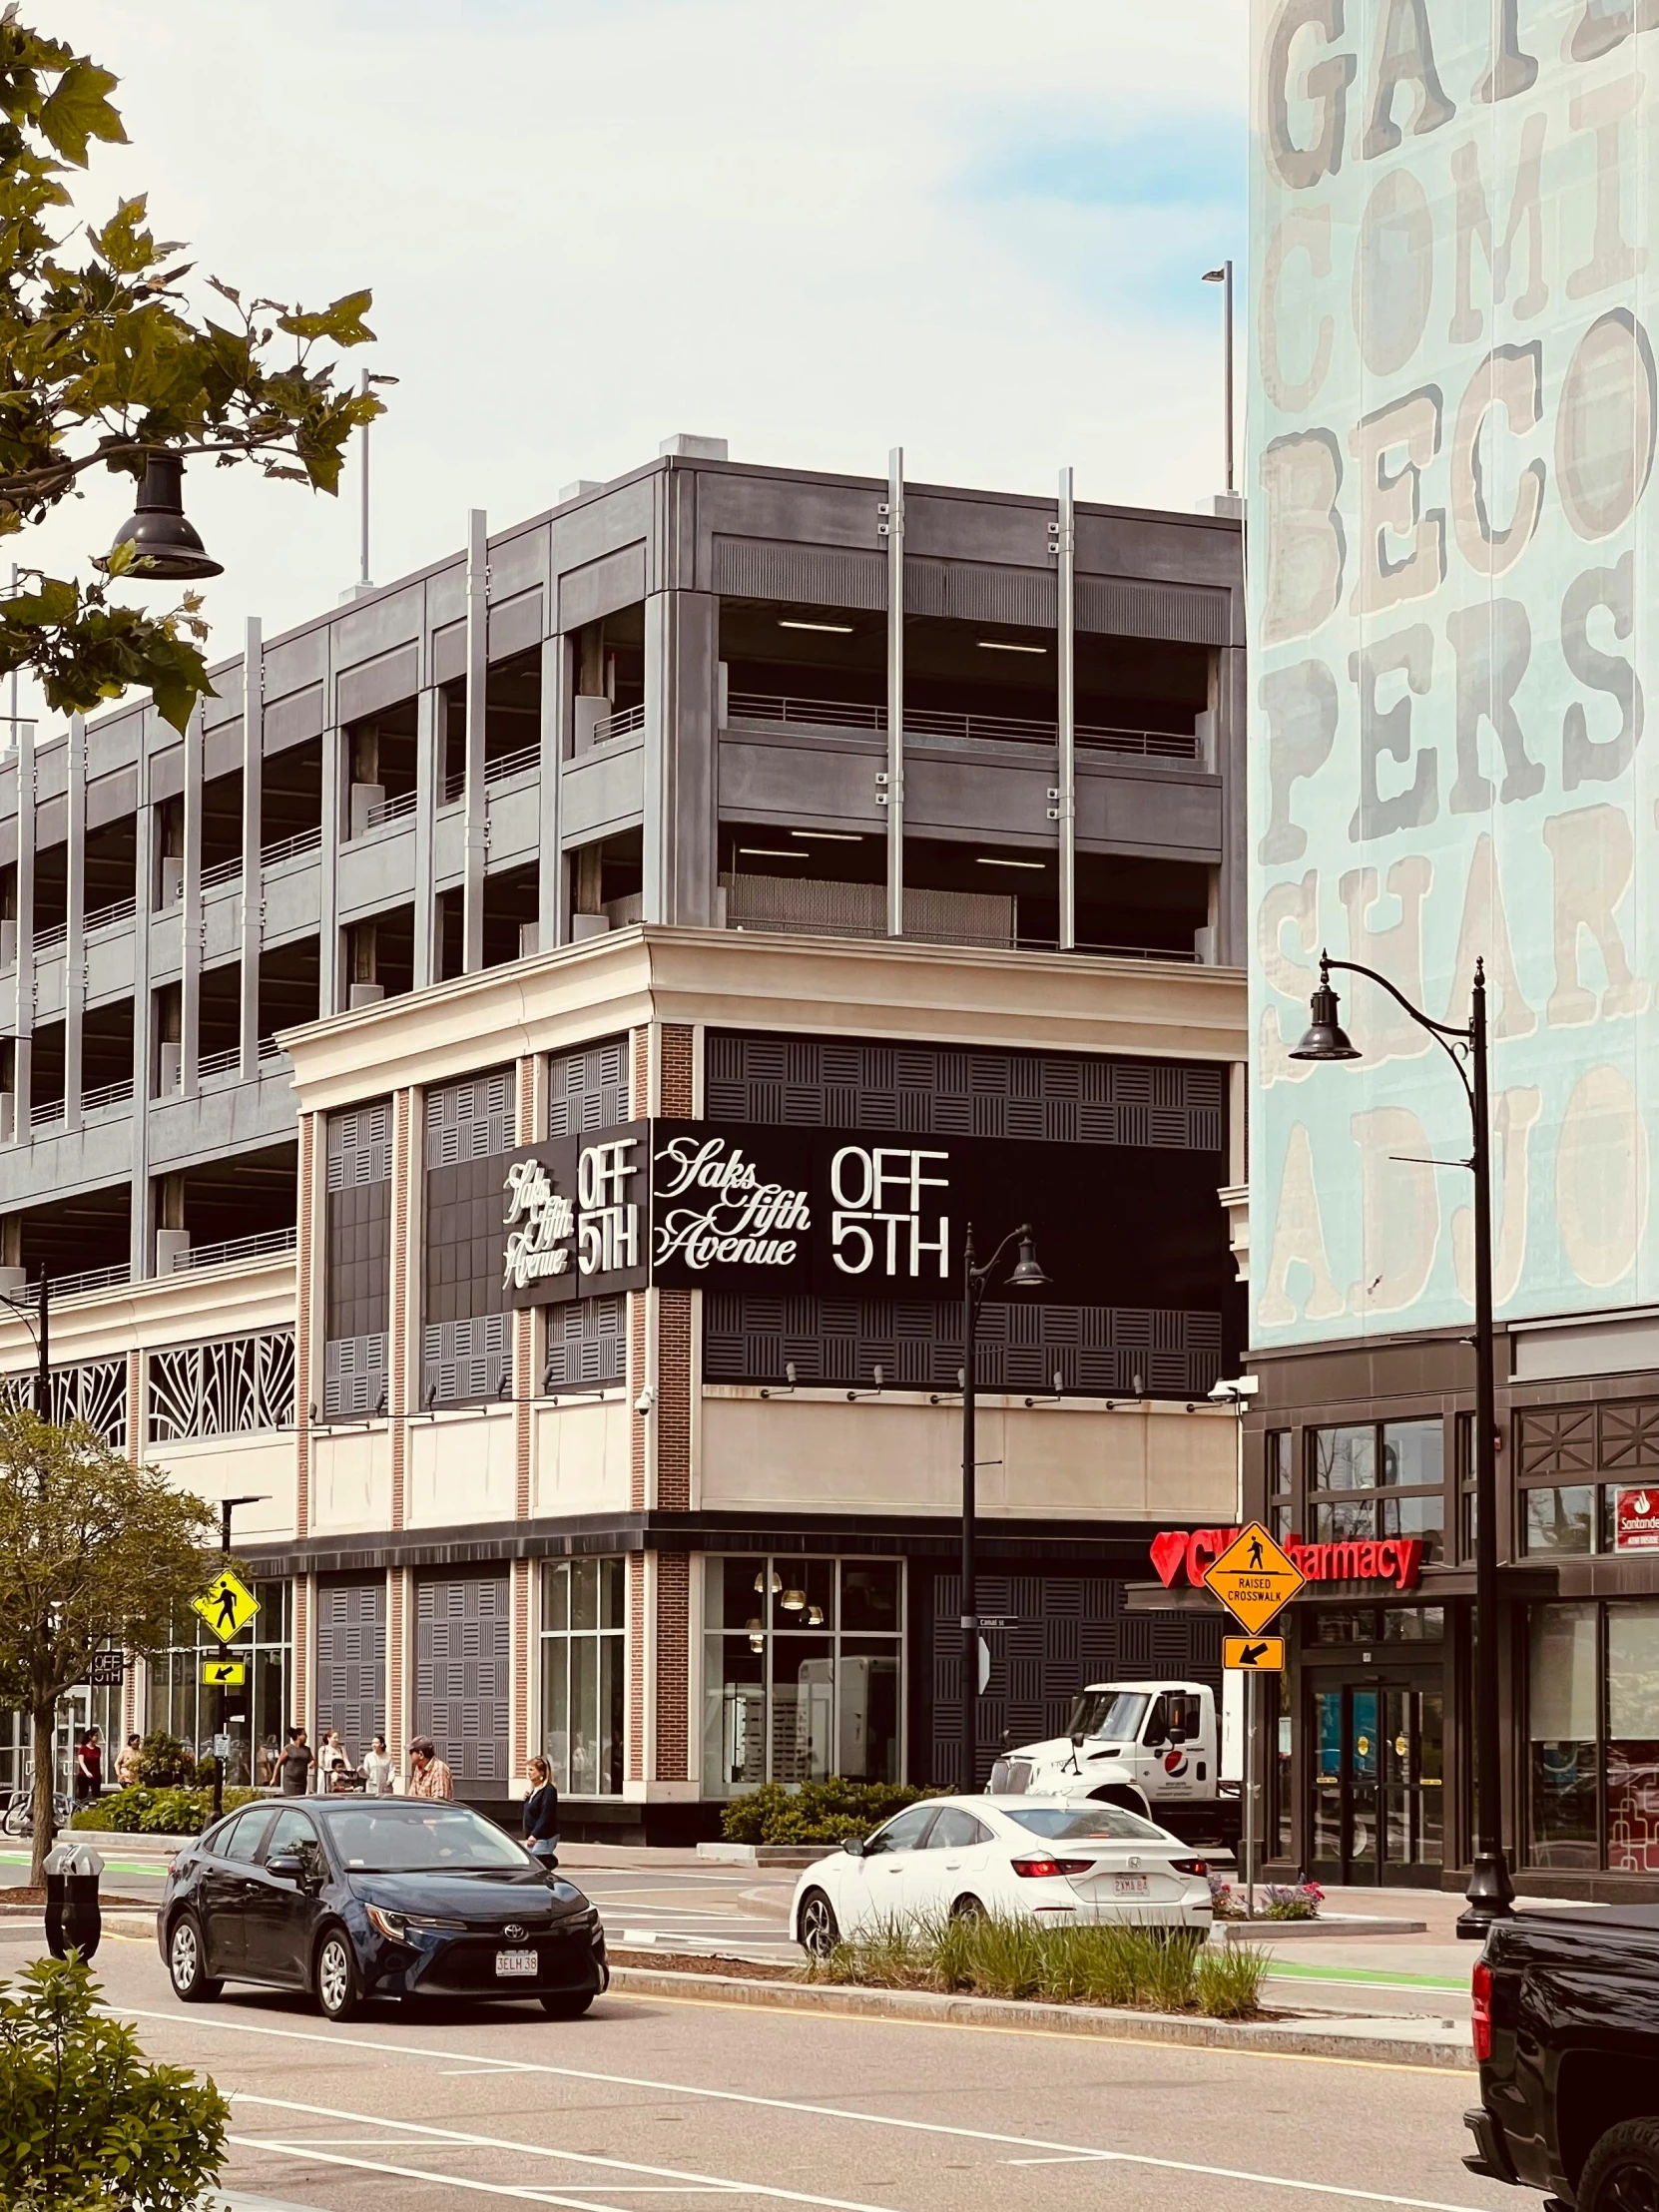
point(1452, 413)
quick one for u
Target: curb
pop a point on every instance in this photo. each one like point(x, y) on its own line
point(1258, 2037)
point(1332, 1923)
point(765, 1855)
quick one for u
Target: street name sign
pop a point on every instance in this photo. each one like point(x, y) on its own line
point(1253, 1654)
point(226, 1605)
point(1254, 1578)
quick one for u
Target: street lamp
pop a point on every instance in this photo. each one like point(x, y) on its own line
point(1027, 1276)
point(40, 1328)
point(166, 547)
point(1490, 1892)
point(1224, 278)
point(226, 1506)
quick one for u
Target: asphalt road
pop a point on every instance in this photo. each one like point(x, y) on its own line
point(666, 2103)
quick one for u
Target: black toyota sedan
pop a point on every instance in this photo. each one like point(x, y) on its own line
point(358, 1897)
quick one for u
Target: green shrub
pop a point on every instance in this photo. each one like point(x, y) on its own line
point(162, 1761)
point(85, 2125)
point(1116, 1964)
point(174, 1812)
point(817, 1812)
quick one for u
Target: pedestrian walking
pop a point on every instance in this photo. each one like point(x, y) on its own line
point(428, 1776)
point(331, 1761)
point(127, 1763)
point(295, 1765)
point(379, 1770)
point(541, 1814)
point(89, 1768)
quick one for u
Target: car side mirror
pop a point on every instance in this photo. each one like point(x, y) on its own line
point(854, 1846)
point(288, 1866)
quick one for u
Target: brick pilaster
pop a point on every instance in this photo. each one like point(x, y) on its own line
point(636, 1666)
point(397, 1585)
point(304, 1307)
point(672, 1680)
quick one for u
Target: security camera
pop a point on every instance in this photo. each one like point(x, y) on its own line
point(646, 1400)
point(1242, 1385)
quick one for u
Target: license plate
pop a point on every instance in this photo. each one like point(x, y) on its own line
point(1130, 1884)
point(516, 1962)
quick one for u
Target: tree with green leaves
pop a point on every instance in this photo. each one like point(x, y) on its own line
point(86, 2125)
point(106, 364)
point(94, 1552)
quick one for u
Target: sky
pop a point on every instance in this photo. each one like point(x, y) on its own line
point(816, 232)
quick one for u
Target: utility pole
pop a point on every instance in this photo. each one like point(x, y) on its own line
point(226, 1506)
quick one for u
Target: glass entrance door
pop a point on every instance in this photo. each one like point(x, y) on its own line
point(1378, 1811)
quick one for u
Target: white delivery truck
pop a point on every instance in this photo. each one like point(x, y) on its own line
point(1154, 1747)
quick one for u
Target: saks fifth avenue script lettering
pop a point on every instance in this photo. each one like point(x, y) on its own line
point(730, 1216)
point(542, 1246)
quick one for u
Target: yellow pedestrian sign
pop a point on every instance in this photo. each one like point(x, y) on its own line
point(1254, 1579)
point(1253, 1654)
point(226, 1605)
point(222, 1674)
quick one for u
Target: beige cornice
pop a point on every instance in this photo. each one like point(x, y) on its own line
point(947, 994)
point(187, 1308)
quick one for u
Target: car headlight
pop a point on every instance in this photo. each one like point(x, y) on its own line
point(392, 1924)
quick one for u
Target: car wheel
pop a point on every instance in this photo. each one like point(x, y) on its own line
point(567, 2005)
point(1621, 2173)
point(967, 1909)
point(820, 1929)
point(335, 1981)
point(186, 1964)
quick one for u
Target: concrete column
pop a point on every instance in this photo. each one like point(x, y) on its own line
point(329, 962)
point(252, 874)
point(478, 678)
point(75, 935)
point(682, 672)
point(1229, 709)
point(428, 793)
point(190, 967)
point(144, 876)
point(558, 686)
point(23, 1027)
point(1064, 809)
point(892, 784)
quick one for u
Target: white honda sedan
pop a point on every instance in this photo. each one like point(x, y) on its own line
point(1051, 1859)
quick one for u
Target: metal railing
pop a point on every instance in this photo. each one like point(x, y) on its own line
point(391, 810)
point(287, 848)
point(619, 725)
point(269, 1050)
point(90, 1279)
point(105, 1095)
point(44, 1112)
point(219, 1063)
point(512, 764)
point(48, 941)
point(455, 786)
point(263, 1245)
point(922, 721)
point(222, 871)
point(107, 916)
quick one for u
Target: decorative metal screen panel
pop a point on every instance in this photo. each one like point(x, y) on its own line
point(587, 1344)
point(229, 1389)
point(1063, 1631)
point(354, 1378)
point(351, 1662)
point(359, 1146)
point(461, 1662)
point(470, 1121)
point(851, 1084)
point(94, 1392)
point(588, 1089)
point(465, 1359)
point(1097, 1351)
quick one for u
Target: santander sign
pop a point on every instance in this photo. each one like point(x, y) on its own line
point(1396, 1560)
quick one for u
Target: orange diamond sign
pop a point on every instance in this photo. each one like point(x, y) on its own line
point(1254, 1578)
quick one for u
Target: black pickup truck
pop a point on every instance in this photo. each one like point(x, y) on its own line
point(1566, 2029)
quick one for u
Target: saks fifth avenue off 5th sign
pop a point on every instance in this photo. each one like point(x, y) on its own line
point(853, 1213)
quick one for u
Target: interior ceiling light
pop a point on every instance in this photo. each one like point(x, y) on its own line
point(1002, 644)
point(834, 836)
point(986, 860)
point(829, 629)
point(815, 1617)
point(793, 1601)
point(772, 852)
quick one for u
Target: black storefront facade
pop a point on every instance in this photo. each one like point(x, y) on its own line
point(1365, 1760)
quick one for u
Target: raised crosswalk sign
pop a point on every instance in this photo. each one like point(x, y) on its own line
point(1254, 1579)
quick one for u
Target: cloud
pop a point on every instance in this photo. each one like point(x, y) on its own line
point(816, 231)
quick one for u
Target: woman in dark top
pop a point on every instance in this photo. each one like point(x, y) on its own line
point(541, 1814)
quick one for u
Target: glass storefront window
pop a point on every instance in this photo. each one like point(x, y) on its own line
point(1559, 1519)
point(1414, 1454)
point(583, 1612)
point(1345, 1458)
point(1633, 1737)
point(1395, 1477)
point(256, 1716)
point(1562, 1732)
point(802, 1671)
point(1413, 1624)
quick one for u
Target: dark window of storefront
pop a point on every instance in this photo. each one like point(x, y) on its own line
point(1573, 1462)
point(584, 1609)
point(1281, 1482)
point(359, 1259)
point(1593, 1736)
point(1374, 1479)
point(467, 1351)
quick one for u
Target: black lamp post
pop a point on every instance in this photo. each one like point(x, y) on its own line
point(226, 1506)
point(41, 1332)
point(1490, 1892)
point(166, 547)
point(1027, 1276)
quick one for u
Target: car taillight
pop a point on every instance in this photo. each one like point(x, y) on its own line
point(1042, 1869)
point(1481, 2022)
point(1190, 1866)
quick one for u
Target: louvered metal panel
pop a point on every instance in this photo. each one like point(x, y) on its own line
point(351, 1662)
point(461, 1673)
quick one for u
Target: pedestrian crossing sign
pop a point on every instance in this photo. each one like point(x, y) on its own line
point(222, 1674)
point(1254, 1579)
point(226, 1605)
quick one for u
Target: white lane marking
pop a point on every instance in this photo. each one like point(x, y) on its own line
point(419, 2173)
point(450, 2138)
point(813, 2111)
